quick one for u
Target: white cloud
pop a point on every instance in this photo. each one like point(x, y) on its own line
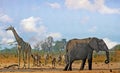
point(55, 35)
point(78, 4)
point(93, 29)
point(110, 43)
point(97, 5)
point(30, 24)
point(102, 8)
point(54, 5)
point(5, 18)
point(7, 40)
point(33, 24)
point(41, 29)
point(3, 33)
point(6, 36)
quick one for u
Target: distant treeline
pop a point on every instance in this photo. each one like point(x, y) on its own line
point(42, 47)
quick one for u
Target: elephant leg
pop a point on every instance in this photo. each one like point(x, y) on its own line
point(67, 62)
point(70, 66)
point(90, 63)
point(83, 64)
point(66, 67)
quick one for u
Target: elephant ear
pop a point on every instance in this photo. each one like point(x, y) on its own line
point(94, 44)
point(102, 45)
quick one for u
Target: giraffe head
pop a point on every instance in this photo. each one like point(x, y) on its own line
point(9, 28)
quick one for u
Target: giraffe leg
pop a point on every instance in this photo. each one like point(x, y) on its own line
point(24, 60)
point(29, 55)
point(26, 56)
point(19, 57)
point(28, 60)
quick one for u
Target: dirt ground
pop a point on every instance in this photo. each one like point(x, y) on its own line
point(99, 67)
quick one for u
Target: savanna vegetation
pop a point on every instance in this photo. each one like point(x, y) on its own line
point(55, 50)
point(9, 56)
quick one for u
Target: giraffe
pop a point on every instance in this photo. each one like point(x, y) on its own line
point(24, 48)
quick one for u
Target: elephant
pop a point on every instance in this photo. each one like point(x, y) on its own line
point(82, 49)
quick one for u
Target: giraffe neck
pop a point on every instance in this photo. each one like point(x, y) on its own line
point(17, 37)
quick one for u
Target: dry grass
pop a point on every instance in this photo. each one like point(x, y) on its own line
point(98, 67)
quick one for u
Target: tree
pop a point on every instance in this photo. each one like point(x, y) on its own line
point(60, 45)
point(46, 44)
point(49, 43)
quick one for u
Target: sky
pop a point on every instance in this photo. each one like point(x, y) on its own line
point(34, 20)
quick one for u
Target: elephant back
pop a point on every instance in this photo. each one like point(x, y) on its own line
point(73, 43)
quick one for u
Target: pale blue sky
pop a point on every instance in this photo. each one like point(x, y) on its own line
point(37, 19)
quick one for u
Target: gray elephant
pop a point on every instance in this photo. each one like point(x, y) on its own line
point(82, 49)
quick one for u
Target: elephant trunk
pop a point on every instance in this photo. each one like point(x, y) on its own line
point(107, 56)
